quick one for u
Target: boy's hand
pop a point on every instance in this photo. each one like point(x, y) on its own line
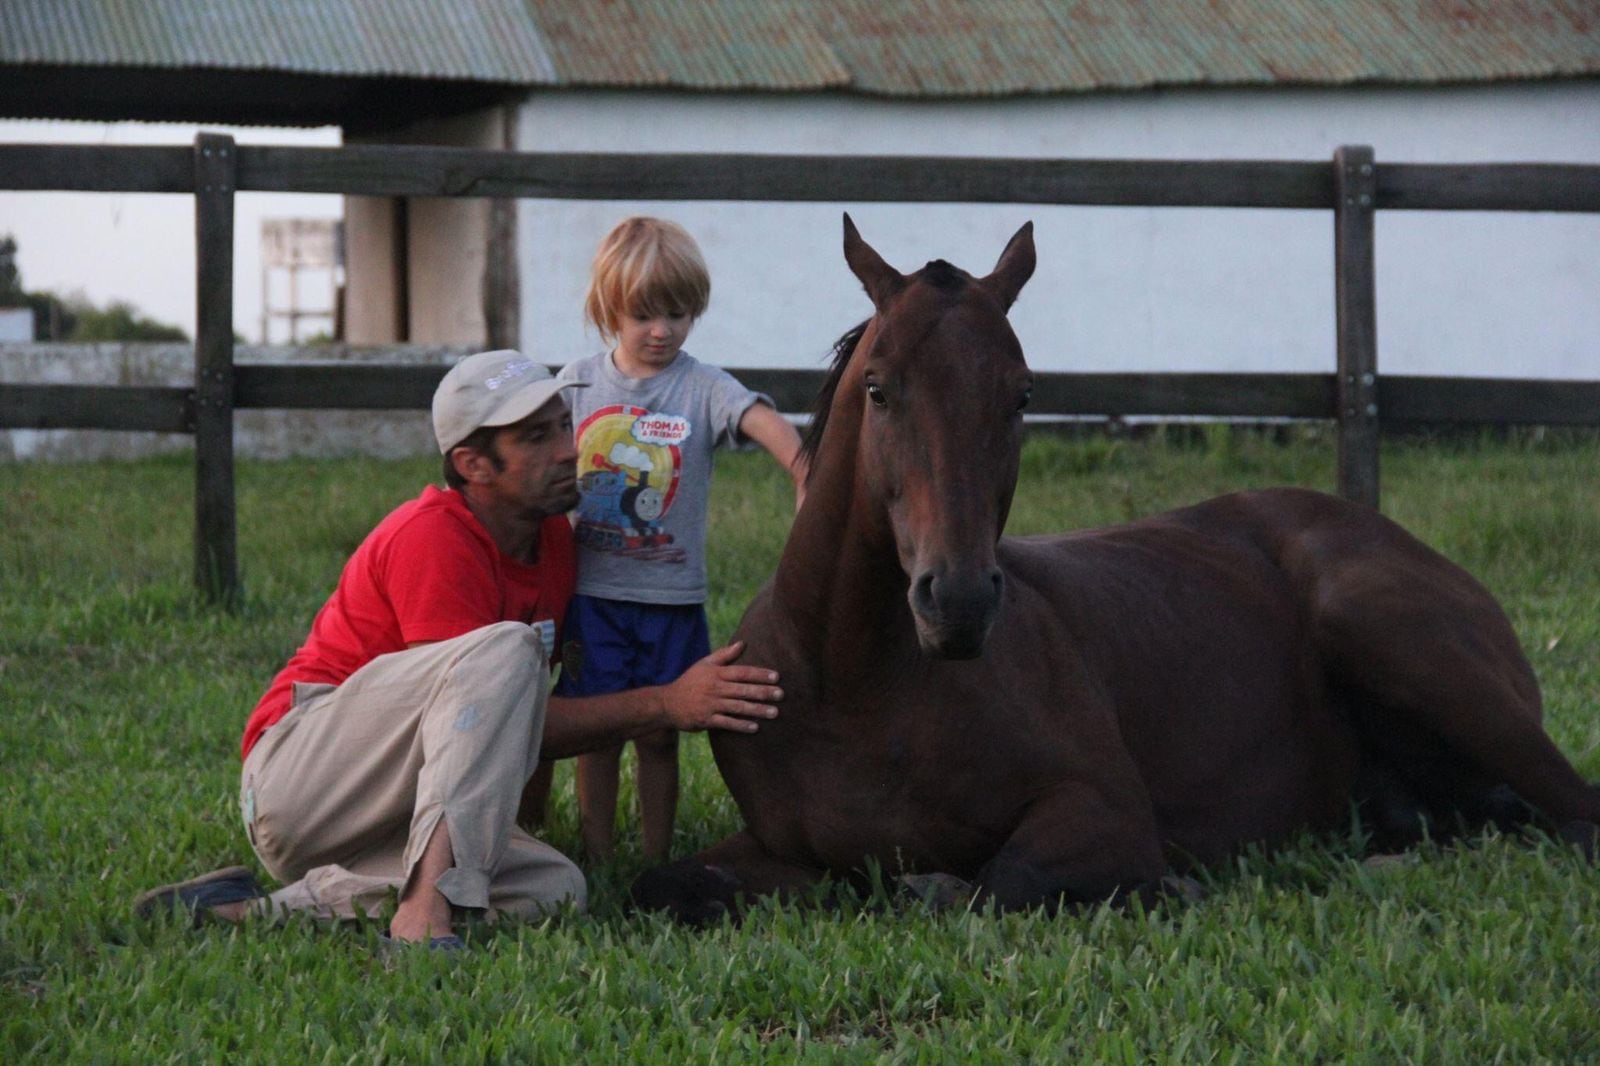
point(715, 694)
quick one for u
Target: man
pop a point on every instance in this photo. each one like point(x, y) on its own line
point(391, 752)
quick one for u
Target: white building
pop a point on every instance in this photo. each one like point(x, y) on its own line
point(16, 325)
point(1505, 295)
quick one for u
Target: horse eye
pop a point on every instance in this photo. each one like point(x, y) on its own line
point(875, 391)
point(1026, 396)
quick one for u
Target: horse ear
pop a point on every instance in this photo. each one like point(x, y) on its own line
point(881, 280)
point(1014, 269)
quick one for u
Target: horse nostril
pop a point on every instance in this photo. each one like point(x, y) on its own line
point(951, 598)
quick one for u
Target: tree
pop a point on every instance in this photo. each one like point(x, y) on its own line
point(76, 318)
point(11, 294)
point(118, 321)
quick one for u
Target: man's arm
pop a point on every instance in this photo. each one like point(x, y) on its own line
point(711, 694)
point(773, 432)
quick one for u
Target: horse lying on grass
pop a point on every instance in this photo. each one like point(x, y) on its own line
point(1070, 718)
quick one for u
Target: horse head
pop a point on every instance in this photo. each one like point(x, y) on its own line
point(938, 383)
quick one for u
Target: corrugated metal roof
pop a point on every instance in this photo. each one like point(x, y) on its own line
point(696, 44)
point(476, 40)
point(928, 48)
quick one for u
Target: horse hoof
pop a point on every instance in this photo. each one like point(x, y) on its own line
point(692, 892)
point(1585, 836)
point(1388, 860)
point(1186, 889)
point(939, 892)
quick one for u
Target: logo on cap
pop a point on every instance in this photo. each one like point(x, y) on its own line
point(513, 370)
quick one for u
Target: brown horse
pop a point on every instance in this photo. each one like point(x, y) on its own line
point(1073, 717)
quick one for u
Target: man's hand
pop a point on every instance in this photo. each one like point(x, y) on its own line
point(715, 694)
point(711, 694)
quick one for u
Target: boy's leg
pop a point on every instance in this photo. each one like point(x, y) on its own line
point(342, 798)
point(536, 797)
point(658, 791)
point(597, 801)
point(597, 655)
point(674, 638)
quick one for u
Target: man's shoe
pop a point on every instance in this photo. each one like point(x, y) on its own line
point(198, 895)
point(389, 947)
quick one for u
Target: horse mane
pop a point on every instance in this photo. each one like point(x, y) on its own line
point(939, 274)
point(943, 275)
point(843, 349)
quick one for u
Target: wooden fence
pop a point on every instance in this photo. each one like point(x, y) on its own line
point(1353, 186)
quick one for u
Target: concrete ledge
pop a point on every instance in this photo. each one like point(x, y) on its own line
point(257, 434)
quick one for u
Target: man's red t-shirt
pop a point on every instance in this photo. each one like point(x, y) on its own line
point(429, 571)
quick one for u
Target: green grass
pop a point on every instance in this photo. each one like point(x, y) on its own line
point(122, 700)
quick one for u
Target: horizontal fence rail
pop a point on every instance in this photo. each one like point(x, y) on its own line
point(312, 386)
point(1352, 186)
point(382, 170)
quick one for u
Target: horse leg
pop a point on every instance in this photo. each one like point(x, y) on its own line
point(707, 887)
point(1082, 842)
point(1441, 693)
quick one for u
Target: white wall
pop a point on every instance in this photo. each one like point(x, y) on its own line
point(257, 434)
point(1117, 288)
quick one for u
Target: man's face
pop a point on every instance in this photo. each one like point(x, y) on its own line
point(538, 475)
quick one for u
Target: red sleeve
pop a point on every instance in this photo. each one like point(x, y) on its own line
point(441, 579)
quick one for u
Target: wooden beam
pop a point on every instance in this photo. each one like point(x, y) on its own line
point(1489, 400)
point(392, 170)
point(95, 168)
point(398, 170)
point(1355, 315)
point(335, 385)
point(368, 386)
point(216, 562)
point(149, 409)
point(1489, 187)
point(502, 281)
point(324, 385)
point(1185, 395)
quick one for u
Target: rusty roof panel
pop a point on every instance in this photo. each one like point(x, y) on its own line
point(903, 48)
point(711, 44)
point(894, 46)
point(480, 40)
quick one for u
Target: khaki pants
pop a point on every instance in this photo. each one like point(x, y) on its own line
point(342, 795)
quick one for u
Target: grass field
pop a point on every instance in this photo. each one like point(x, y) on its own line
point(122, 700)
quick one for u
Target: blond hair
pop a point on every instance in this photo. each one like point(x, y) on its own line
point(646, 266)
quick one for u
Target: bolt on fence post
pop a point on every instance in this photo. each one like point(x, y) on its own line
point(1355, 196)
point(216, 570)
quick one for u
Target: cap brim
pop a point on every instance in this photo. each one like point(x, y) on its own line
point(530, 398)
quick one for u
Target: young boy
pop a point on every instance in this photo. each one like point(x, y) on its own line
point(646, 427)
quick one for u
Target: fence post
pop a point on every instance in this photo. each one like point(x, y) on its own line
point(1355, 188)
point(216, 569)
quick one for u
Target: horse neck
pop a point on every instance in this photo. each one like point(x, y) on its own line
point(839, 589)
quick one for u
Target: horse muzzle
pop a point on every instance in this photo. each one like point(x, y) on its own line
point(954, 610)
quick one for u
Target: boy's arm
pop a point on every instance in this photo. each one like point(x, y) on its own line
point(769, 429)
point(711, 694)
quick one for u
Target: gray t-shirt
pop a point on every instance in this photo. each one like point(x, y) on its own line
point(644, 473)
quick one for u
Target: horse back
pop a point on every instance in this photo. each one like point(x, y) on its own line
point(1198, 629)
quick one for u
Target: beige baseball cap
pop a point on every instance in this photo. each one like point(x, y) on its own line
point(490, 389)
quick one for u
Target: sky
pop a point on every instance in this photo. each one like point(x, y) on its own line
point(139, 247)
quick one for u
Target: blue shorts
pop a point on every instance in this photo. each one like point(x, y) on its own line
point(612, 645)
